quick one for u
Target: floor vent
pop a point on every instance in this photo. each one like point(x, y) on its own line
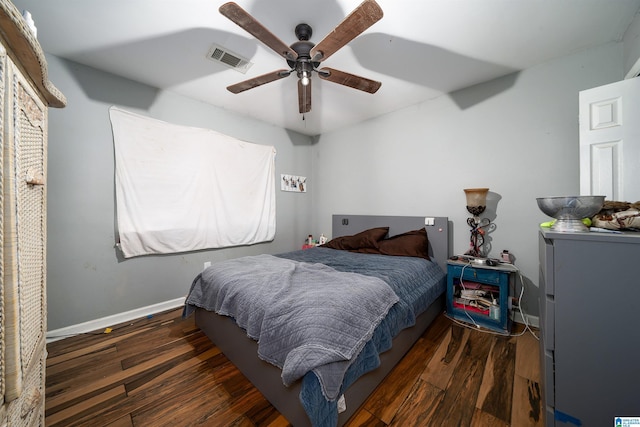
point(232, 60)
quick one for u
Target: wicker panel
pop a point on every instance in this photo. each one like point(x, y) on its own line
point(24, 234)
point(3, 68)
point(31, 226)
point(28, 409)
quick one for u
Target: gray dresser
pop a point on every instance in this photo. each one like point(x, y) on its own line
point(590, 322)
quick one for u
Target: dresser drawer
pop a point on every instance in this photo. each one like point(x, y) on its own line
point(548, 370)
point(545, 253)
point(547, 319)
point(28, 409)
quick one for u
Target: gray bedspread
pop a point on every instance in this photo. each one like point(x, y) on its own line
point(305, 316)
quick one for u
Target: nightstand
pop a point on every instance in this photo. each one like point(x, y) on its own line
point(479, 294)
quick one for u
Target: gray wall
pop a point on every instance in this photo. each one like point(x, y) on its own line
point(517, 135)
point(87, 277)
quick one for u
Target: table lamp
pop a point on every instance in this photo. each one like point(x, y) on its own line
point(476, 205)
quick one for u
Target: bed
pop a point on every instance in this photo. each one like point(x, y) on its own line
point(318, 397)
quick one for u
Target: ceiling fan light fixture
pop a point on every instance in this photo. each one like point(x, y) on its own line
point(304, 79)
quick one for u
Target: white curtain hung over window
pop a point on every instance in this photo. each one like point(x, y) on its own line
point(182, 188)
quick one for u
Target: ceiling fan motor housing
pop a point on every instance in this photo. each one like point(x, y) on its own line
point(303, 48)
point(303, 31)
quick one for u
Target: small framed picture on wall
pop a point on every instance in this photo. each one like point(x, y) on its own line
point(294, 183)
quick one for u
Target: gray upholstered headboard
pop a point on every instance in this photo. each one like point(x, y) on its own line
point(346, 225)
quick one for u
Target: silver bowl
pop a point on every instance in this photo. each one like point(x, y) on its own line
point(569, 211)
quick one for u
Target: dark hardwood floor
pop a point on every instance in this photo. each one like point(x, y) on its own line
point(162, 371)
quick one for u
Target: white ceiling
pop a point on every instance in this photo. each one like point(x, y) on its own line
point(419, 50)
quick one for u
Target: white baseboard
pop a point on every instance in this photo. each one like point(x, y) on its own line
point(105, 322)
point(533, 321)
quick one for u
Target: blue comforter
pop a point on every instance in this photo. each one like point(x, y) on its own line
point(305, 316)
point(415, 281)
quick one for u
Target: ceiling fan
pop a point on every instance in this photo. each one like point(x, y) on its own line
point(303, 56)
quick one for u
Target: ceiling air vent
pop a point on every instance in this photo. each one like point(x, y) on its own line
point(232, 60)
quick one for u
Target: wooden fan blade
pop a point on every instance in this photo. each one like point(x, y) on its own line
point(304, 97)
point(258, 81)
point(247, 22)
point(364, 16)
point(348, 79)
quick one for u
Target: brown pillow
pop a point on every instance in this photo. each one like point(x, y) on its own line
point(363, 240)
point(412, 243)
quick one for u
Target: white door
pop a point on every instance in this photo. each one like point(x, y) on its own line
point(610, 141)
